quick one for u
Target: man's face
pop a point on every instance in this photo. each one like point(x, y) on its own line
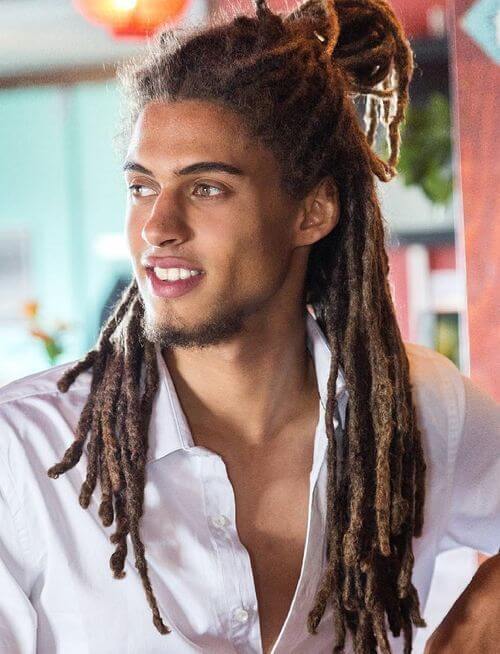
point(237, 228)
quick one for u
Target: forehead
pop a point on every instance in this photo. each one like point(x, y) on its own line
point(192, 128)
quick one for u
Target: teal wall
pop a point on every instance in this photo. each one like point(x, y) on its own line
point(61, 181)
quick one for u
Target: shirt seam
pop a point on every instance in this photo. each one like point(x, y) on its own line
point(41, 394)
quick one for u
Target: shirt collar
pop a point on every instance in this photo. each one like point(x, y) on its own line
point(169, 429)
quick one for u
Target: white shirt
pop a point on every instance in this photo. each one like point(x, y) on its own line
point(58, 595)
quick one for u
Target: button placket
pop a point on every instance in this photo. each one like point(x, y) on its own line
point(239, 596)
point(220, 521)
point(241, 615)
point(287, 636)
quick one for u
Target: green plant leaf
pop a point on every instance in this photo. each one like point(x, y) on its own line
point(425, 153)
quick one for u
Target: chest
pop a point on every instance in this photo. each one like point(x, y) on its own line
point(272, 502)
point(272, 523)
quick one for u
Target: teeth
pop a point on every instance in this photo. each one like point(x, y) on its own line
point(173, 274)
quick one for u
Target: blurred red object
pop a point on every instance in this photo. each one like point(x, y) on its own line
point(139, 18)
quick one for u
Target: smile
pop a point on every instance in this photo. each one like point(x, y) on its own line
point(172, 282)
point(173, 274)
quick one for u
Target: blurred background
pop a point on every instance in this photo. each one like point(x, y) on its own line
point(63, 258)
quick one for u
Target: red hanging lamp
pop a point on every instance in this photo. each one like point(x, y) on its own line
point(136, 18)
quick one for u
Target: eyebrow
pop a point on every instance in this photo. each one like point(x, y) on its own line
point(200, 166)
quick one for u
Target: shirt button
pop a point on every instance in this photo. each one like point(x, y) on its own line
point(241, 615)
point(219, 520)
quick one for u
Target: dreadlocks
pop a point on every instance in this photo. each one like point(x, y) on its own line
point(295, 79)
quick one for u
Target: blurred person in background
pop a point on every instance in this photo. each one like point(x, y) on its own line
point(283, 468)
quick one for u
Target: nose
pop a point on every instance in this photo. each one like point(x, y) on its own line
point(166, 222)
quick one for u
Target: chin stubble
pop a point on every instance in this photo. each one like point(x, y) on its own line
point(210, 330)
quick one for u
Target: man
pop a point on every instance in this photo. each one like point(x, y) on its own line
point(260, 434)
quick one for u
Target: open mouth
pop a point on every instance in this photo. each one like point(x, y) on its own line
point(177, 282)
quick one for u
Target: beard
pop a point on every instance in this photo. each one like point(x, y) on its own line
point(216, 328)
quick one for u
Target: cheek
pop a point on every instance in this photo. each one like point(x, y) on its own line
point(130, 228)
point(260, 257)
point(230, 254)
point(271, 241)
point(133, 230)
point(134, 242)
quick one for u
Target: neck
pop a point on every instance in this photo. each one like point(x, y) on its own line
point(250, 388)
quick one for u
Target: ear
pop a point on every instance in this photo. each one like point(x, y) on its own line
point(319, 213)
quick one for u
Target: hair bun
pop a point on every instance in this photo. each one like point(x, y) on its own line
point(365, 39)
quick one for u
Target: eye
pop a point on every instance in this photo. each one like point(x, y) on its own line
point(132, 188)
point(209, 186)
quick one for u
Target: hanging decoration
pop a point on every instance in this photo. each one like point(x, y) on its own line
point(132, 18)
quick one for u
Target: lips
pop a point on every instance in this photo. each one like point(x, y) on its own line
point(172, 289)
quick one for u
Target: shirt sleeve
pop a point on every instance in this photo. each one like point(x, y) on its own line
point(18, 618)
point(474, 512)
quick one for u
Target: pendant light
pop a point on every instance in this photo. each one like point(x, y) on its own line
point(134, 18)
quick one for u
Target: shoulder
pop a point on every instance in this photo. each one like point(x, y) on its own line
point(37, 424)
point(438, 392)
point(425, 361)
point(36, 418)
point(39, 383)
point(433, 373)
